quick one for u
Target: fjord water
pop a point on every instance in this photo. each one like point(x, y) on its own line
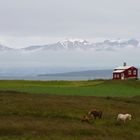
point(43, 76)
point(78, 75)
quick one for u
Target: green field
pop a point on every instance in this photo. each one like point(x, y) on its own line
point(49, 110)
point(84, 88)
point(52, 117)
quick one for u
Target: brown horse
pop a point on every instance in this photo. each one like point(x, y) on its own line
point(95, 113)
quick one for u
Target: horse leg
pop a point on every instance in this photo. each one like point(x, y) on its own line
point(124, 120)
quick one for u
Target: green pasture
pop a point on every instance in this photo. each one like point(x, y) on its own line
point(41, 110)
point(52, 117)
point(84, 88)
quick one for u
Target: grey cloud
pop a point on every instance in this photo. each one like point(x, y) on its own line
point(69, 18)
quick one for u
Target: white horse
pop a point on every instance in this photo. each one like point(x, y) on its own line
point(124, 117)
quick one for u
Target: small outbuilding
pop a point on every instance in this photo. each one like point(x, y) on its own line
point(125, 72)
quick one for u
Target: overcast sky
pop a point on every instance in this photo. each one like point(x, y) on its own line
point(29, 22)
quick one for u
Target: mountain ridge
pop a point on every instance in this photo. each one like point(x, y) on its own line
point(108, 44)
point(86, 45)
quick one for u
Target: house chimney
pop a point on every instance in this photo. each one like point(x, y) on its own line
point(124, 64)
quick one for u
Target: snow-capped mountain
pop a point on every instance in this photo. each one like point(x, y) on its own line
point(86, 45)
point(80, 45)
point(63, 45)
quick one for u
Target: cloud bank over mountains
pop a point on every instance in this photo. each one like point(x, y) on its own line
point(70, 55)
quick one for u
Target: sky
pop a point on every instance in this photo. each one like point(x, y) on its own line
point(25, 23)
point(32, 22)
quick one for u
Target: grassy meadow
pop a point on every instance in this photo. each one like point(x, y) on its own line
point(77, 88)
point(52, 117)
point(49, 110)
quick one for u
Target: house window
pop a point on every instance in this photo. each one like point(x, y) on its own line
point(134, 72)
point(114, 75)
point(118, 75)
point(129, 72)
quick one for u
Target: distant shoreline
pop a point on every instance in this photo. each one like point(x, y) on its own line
point(68, 76)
